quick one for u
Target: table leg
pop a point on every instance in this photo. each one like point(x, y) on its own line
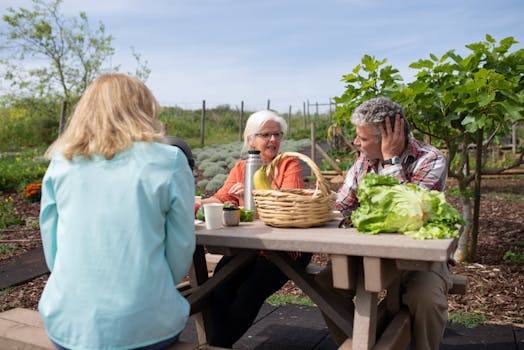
point(365, 320)
point(203, 287)
point(330, 303)
point(197, 276)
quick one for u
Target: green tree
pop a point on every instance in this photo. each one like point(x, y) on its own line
point(455, 103)
point(67, 53)
point(368, 79)
point(468, 103)
point(45, 54)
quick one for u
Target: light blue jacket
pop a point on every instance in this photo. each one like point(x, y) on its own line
point(118, 235)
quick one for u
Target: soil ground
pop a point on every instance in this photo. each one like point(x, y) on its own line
point(496, 285)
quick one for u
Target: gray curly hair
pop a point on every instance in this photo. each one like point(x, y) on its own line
point(375, 111)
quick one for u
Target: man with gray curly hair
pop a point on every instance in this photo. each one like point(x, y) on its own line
point(387, 148)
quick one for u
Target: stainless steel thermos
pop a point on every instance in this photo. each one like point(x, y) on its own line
point(253, 162)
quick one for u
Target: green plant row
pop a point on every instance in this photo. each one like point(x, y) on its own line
point(214, 162)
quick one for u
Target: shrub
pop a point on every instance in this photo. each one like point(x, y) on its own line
point(213, 170)
point(21, 168)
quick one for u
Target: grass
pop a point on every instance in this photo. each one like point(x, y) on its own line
point(6, 248)
point(468, 319)
point(509, 197)
point(515, 257)
point(8, 216)
point(279, 299)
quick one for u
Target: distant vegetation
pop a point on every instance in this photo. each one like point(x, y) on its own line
point(222, 125)
point(29, 126)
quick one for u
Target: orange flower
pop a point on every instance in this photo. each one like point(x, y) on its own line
point(33, 192)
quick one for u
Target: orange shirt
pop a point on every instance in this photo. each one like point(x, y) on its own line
point(289, 175)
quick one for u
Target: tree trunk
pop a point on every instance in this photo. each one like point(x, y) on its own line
point(464, 243)
point(472, 251)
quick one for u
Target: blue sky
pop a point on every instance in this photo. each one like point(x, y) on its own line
point(287, 51)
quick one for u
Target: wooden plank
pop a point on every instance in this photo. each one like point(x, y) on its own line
point(412, 265)
point(379, 273)
point(198, 275)
point(397, 335)
point(327, 157)
point(200, 294)
point(23, 268)
point(327, 239)
point(460, 284)
point(346, 345)
point(365, 320)
point(215, 250)
point(330, 303)
point(344, 271)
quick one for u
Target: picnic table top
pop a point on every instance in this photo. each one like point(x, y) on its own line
point(327, 239)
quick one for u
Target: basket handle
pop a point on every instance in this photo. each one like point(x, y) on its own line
point(321, 188)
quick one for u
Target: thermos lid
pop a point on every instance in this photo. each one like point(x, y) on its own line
point(253, 151)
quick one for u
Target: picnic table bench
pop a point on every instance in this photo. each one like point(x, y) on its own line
point(22, 329)
point(368, 264)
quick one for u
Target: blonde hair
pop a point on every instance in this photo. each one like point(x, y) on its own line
point(256, 121)
point(114, 111)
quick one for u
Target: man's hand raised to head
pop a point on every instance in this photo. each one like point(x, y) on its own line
point(393, 139)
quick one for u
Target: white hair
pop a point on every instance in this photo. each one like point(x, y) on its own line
point(256, 121)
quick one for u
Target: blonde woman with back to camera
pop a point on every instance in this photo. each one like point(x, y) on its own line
point(117, 224)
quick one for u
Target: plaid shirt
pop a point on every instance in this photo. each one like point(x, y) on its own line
point(422, 165)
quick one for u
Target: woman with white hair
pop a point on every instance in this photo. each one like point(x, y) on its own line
point(264, 132)
point(236, 303)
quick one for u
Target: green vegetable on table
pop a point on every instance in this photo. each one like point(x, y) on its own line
point(200, 213)
point(388, 206)
point(245, 215)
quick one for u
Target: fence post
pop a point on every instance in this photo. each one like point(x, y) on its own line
point(203, 123)
point(304, 114)
point(241, 126)
point(313, 143)
point(289, 120)
point(330, 116)
point(308, 114)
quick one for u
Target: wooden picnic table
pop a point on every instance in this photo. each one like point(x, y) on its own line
point(367, 264)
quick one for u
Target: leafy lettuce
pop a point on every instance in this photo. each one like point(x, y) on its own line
point(388, 206)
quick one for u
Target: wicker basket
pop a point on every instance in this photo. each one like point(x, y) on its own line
point(295, 207)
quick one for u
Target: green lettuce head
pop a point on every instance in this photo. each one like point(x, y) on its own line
point(388, 206)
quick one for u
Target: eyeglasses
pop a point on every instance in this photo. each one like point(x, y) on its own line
point(267, 136)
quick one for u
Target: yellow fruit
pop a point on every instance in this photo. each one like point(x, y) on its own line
point(260, 181)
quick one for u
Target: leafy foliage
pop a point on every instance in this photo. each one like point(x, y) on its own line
point(49, 58)
point(19, 169)
point(468, 319)
point(73, 53)
point(454, 102)
point(27, 122)
point(367, 80)
point(8, 216)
